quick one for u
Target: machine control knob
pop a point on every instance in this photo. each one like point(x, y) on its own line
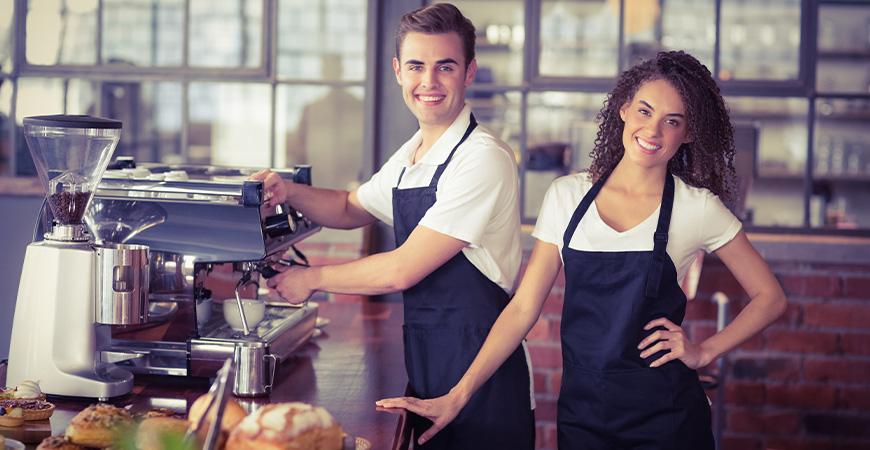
point(281, 224)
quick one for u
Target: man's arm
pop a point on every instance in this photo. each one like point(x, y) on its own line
point(424, 251)
point(328, 207)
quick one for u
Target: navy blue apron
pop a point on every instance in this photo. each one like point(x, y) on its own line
point(610, 398)
point(448, 315)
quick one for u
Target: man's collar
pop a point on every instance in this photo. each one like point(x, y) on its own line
point(445, 144)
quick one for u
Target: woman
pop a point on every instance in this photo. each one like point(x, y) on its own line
point(627, 232)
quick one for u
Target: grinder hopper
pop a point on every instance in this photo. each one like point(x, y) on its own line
point(71, 153)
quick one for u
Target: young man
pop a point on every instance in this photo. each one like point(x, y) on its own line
point(451, 194)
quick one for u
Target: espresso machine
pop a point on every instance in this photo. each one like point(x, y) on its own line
point(211, 239)
point(71, 289)
point(134, 281)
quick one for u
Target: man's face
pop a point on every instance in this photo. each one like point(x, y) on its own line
point(433, 77)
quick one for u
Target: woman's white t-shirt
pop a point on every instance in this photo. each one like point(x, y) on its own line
point(699, 221)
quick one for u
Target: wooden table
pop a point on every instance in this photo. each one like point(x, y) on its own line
point(357, 360)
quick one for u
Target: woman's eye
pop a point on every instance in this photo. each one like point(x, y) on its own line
point(643, 111)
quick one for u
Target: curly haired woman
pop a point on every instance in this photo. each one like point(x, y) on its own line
point(627, 232)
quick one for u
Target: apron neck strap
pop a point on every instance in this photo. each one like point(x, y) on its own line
point(582, 208)
point(660, 239)
point(442, 166)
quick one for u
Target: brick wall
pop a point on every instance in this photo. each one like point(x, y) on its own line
point(802, 384)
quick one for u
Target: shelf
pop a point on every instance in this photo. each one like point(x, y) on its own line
point(862, 53)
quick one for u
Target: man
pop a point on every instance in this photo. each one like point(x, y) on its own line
point(450, 193)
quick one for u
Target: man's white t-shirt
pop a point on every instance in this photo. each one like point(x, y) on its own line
point(699, 221)
point(476, 201)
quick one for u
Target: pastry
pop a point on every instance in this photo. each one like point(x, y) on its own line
point(99, 425)
point(156, 431)
point(233, 414)
point(58, 443)
point(11, 416)
point(29, 390)
point(162, 412)
point(33, 409)
point(287, 426)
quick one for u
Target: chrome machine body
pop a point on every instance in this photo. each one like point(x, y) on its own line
point(209, 236)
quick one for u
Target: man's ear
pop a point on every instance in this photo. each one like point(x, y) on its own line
point(470, 72)
point(397, 67)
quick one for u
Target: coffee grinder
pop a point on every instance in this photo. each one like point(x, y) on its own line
point(72, 289)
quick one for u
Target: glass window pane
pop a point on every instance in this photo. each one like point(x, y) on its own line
point(322, 126)
point(226, 33)
point(841, 164)
point(561, 133)
point(844, 49)
point(500, 27)
point(6, 127)
point(230, 124)
point(771, 142)
point(687, 25)
point(500, 113)
point(42, 96)
point(61, 33)
point(151, 117)
point(143, 32)
point(760, 40)
point(6, 9)
point(322, 39)
point(579, 39)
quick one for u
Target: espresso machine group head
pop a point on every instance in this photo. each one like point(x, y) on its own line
point(72, 289)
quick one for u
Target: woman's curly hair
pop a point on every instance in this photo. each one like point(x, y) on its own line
point(707, 161)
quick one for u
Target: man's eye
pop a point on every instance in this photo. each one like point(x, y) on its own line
point(445, 69)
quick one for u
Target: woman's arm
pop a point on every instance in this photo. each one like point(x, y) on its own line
point(507, 333)
point(767, 304)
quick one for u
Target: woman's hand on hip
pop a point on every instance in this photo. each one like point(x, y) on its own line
point(673, 340)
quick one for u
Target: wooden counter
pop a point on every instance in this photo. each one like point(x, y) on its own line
point(357, 360)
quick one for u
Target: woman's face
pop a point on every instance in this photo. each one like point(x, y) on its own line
point(655, 125)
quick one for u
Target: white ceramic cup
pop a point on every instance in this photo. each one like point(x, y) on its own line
point(254, 312)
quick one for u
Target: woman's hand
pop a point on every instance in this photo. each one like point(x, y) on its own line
point(441, 411)
point(274, 188)
point(674, 339)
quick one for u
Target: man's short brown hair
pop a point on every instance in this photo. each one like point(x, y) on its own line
point(439, 18)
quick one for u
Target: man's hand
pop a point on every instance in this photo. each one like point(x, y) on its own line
point(293, 283)
point(274, 188)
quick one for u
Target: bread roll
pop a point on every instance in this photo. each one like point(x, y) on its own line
point(153, 430)
point(287, 426)
point(99, 425)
